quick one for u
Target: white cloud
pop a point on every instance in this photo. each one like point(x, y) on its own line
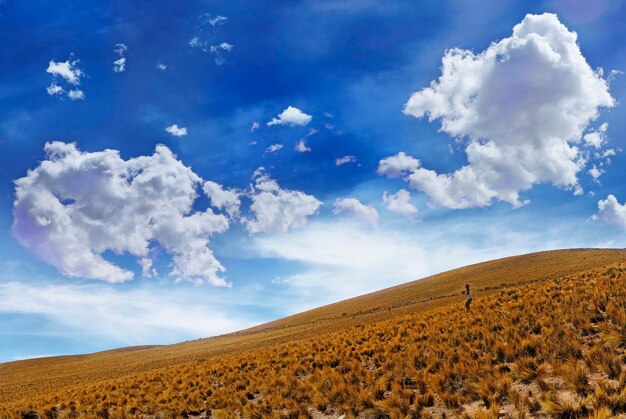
point(611, 211)
point(76, 94)
point(119, 65)
point(68, 70)
point(608, 153)
point(596, 173)
point(176, 131)
point(216, 20)
point(345, 160)
point(223, 199)
point(120, 49)
point(66, 77)
point(161, 66)
point(522, 104)
point(147, 268)
point(195, 42)
point(598, 137)
point(54, 89)
point(341, 260)
point(225, 46)
point(138, 316)
point(301, 147)
point(273, 148)
point(276, 209)
point(218, 50)
point(354, 207)
point(291, 117)
point(204, 38)
point(76, 205)
point(400, 203)
point(397, 166)
point(255, 126)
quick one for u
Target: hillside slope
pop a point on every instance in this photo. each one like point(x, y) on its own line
point(403, 350)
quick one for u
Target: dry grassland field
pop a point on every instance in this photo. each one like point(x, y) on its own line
point(546, 337)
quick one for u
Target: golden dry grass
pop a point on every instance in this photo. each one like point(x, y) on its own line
point(546, 337)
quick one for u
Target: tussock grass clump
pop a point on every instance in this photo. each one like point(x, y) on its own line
point(565, 408)
point(575, 374)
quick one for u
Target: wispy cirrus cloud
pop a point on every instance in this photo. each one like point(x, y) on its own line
point(144, 315)
point(340, 161)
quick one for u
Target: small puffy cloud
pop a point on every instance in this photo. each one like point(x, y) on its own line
point(595, 173)
point(400, 203)
point(598, 137)
point(224, 46)
point(161, 66)
point(291, 117)
point(76, 94)
point(301, 147)
point(68, 70)
point(176, 131)
point(522, 104)
point(398, 165)
point(255, 126)
point(54, 89)
point(119, 65)
point(273, 148)
point(66, 77)
point(223, 199)
point(611, 211)
point(354, 207)
point(76, 205)
point(276, 209)
point(345, 160)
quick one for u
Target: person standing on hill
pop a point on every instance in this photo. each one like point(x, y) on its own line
point(469, 297)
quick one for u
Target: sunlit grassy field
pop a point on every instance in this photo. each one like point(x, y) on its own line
point(546, 338)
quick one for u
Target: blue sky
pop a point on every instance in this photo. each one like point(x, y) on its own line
point(515, 147)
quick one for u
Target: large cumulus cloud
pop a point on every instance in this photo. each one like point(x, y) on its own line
point(522, 105)
point(75, 206)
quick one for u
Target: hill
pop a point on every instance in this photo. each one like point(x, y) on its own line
point(546, 336)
